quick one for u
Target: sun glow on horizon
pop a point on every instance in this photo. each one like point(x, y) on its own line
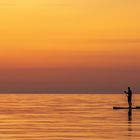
point(92, 35)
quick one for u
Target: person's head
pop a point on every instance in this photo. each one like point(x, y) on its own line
point(129, 88)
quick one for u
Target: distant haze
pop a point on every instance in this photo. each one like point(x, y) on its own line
point(69, 46)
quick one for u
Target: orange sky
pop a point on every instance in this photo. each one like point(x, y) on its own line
point(77, 44)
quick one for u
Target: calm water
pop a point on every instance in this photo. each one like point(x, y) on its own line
point(67, 117)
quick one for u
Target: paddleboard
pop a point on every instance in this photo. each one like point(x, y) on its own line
point(137, 107)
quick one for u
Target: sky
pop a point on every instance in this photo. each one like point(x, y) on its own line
point(76, 45)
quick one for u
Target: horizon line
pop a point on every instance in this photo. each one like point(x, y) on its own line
point(62, 92)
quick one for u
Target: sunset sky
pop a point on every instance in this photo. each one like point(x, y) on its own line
point(69, 45)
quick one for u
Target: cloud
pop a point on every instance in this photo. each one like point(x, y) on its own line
point(111, 40)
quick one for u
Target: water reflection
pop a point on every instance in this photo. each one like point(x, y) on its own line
point(130, 122)
point(66, 116)
point(129, 115)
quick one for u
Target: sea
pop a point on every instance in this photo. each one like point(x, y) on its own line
point(68, 117)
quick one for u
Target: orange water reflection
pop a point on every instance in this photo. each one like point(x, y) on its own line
point(67, 117)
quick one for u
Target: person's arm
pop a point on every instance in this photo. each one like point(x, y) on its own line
point(126, 92)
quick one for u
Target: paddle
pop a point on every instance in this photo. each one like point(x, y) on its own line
point(126, 93)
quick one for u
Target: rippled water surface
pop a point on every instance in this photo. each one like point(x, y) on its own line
point(67, 117)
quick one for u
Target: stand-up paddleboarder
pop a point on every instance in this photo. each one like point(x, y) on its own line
point(129, 96)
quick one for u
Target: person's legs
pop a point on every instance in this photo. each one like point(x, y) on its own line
point(130, 104)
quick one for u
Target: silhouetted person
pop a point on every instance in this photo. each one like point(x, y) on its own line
point(129, 96)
